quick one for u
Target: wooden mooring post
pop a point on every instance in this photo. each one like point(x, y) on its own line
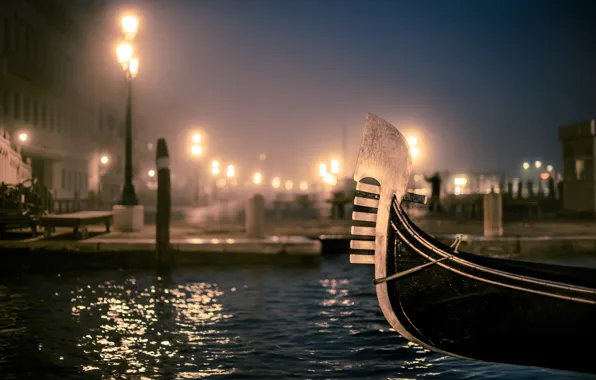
point(164, 206)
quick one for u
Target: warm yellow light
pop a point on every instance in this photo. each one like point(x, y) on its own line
point(412, 141)
point(196, 138)
point(334, 166)
point(330, 179)
point(460, 181)
point(257, 178)
point(303, 185)
point(151, 173)
point(231, 171)
point(215, 170)
point(322, 170)
point(196, 150)
point(133, 67)
point(526, 165)
point(124, 52)
point(130, 26)
point(289, 185)
point(549, 168)
point(538, 164)
point(23, 137)
point(457, 190)
point(104, 159)
point(415, 151)
point(276, 182)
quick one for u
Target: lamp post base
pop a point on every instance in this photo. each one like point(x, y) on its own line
point(129, 218)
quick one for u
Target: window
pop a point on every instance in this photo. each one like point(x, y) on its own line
point(6, 104)
point(44, 116)
point(579, 169)
point(17, 106)
point(26, 109)
point(35, 112)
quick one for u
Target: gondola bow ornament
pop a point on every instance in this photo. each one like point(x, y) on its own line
point(457, 303)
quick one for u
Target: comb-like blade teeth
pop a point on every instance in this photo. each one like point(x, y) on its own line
point(362, 245)
point(364, 216)
point(364, 231)
point(366, 202)
point(362, 259)
point(366, 188)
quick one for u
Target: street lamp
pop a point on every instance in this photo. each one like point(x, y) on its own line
point(104, 160)
point(151, 173)
point(231, 171)
point(23, 137)
point(526, 165)
point(130, 66)
point(257, 178)
point(197, 151)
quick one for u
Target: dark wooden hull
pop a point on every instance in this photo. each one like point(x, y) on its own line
point(490, 309)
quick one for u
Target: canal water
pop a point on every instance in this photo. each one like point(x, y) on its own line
point(260, 322)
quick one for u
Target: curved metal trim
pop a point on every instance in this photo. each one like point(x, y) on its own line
point(467, 263)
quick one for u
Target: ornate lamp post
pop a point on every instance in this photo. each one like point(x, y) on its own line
point(130, 66)
point(128, 213)
point(197, 151)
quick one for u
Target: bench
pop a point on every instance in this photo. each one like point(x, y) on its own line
point(79, 221)
point(16, 221)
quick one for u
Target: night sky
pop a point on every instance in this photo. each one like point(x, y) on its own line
point(484, 84)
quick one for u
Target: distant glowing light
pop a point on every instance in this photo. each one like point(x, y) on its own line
point(231, 171)
point(151, 173)
point(457, 190)
point(303, 185)
point(104, 160)
point(538, 164)
point(289, 185)
point(257, 178)
point(322, 170)
point(526, 165)
point(412, 141)
point(130, 26)
point(549, 168)
point(460, 181)
point(215, 167)
point(23, 137)
point(276, 182)
point(196, 150)
point(124, 52)
point(415, 151)
point(330, 179)
point(334, 166)
point(196, 138)
point(544, 176)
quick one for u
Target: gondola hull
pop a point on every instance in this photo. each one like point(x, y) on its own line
point(459, 308)
point(457, 303)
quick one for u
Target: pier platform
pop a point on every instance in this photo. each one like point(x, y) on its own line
point(137, 249)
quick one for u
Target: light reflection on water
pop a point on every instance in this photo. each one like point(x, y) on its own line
point(262, 322)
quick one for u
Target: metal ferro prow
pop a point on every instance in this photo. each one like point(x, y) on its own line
point(382, 172)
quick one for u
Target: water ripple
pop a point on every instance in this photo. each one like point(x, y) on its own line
point(261, 322)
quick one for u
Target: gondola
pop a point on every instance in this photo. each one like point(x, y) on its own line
point(457, 303)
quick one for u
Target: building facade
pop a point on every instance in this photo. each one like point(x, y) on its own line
point(579, 187)
point(55, 89)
